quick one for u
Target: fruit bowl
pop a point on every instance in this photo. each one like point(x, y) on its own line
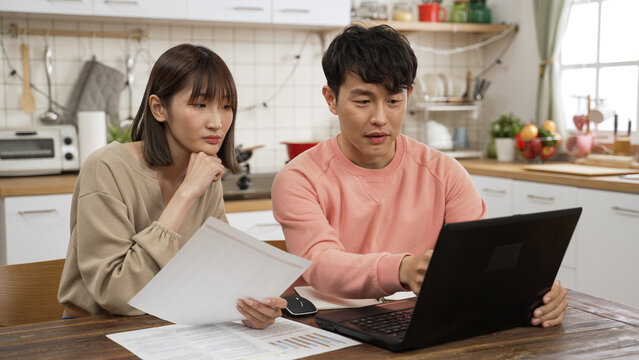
point(543, 148)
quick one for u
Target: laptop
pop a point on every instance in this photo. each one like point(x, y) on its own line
point(484, 276)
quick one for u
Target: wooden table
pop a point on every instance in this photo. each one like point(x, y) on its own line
point(593, 328)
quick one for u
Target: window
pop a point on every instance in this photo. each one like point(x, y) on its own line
point(600, 58)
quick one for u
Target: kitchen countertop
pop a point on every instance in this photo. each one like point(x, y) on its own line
point(516, 171)
point(63, 184)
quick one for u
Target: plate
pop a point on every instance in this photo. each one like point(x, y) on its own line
point(447, 85)
point(458, 84)
point(433, 84)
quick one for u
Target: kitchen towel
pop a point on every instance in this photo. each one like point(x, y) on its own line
point(92, 133)
point(97, 88)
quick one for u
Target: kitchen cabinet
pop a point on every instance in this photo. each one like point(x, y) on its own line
point(159, 9)
point(535, 197)
point(331, 13)
point(34, 228)
point(497, 194)
point(247, 11)
point(608, 248)
point(311, 12)
point(68, 7)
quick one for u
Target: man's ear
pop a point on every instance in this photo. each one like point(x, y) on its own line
point(330, 98)
point(157, 109)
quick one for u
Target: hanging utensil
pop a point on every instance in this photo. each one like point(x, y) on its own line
point(27, 101)
point(50, 116)
point(130, 63)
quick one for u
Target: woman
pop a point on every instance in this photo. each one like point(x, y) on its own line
point(136, 204)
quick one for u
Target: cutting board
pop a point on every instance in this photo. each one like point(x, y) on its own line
point(583, 170)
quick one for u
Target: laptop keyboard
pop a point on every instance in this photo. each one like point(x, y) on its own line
point(394, 323)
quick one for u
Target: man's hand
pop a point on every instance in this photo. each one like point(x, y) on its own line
point(259, 315)
point(413, 269)
point(554, 309)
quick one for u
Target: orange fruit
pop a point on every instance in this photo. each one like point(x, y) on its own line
point(549, 126)
point(529, 131)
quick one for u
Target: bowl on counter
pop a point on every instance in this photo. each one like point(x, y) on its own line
point(540, 148)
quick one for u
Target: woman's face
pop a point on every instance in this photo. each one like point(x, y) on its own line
point(197, 126)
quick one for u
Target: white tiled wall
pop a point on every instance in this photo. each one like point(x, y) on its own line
point(261, 60)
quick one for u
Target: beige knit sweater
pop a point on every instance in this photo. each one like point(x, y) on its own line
point(116, 244)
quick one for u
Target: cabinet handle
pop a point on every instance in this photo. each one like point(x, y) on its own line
point(248, 8)
point(34, 212)
point(54, 1)
point(626, 211)
point(121, 2)
point(541, 198)
point(493, 191)
point(296, 11)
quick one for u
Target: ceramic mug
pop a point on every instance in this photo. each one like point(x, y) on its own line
point(432, 13)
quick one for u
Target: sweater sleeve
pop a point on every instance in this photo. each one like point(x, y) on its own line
point(308, 234)
point(463, 202)
point(115, 262)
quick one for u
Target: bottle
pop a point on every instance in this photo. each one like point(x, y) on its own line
point(479, 13)
point(460, 12)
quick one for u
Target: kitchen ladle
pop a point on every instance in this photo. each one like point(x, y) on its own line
point(50, 116)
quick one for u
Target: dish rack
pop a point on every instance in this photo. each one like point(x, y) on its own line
point(463, 110)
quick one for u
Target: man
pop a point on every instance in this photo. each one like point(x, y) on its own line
point(367, 205)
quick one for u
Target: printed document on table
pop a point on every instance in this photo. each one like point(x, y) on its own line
point(202, 283)
point(286, 339)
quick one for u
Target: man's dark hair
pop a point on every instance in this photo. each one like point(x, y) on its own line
point(180, 67)
point(378, 55)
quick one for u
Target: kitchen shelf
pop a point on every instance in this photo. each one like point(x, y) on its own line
point(422, 26)
point(449, 106)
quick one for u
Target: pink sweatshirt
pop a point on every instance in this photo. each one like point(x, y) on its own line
point(357, 224)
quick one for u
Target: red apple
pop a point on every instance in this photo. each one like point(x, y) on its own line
point(531, 149)
point(547, 152)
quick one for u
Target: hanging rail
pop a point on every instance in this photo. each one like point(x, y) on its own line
point(139, 34)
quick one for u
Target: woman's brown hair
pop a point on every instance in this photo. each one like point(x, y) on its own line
point(179, 67)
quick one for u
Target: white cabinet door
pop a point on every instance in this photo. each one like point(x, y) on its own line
point(245, 11)
point(497, 194)
point(535, 197)
point(162, 9)
point(608, 252)
point(312, 12)
point(37, 228)
point(70, 7)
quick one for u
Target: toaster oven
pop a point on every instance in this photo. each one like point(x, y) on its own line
point(39, 150)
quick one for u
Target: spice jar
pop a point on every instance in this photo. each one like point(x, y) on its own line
point(460, 12)
point(403, 11)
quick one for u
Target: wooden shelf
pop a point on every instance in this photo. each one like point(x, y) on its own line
point(416, 26)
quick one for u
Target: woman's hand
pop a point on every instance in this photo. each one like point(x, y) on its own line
point(202, 170)
point(259, 315)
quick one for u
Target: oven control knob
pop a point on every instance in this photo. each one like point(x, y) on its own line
point(68, 156)
point(68, 141)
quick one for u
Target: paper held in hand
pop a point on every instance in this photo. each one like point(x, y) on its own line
point(202, 283)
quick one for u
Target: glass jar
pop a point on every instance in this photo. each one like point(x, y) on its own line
point(372, 10)
point(403, 11)
point(479, 13)
point(460, 12)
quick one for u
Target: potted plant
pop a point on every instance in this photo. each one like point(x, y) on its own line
point(503, 131)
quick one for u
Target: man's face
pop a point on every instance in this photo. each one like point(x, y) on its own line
point(370, 120)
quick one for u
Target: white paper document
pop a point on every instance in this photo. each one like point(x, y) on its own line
point(286, 339)
point(324, 301)
point(202, 283)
